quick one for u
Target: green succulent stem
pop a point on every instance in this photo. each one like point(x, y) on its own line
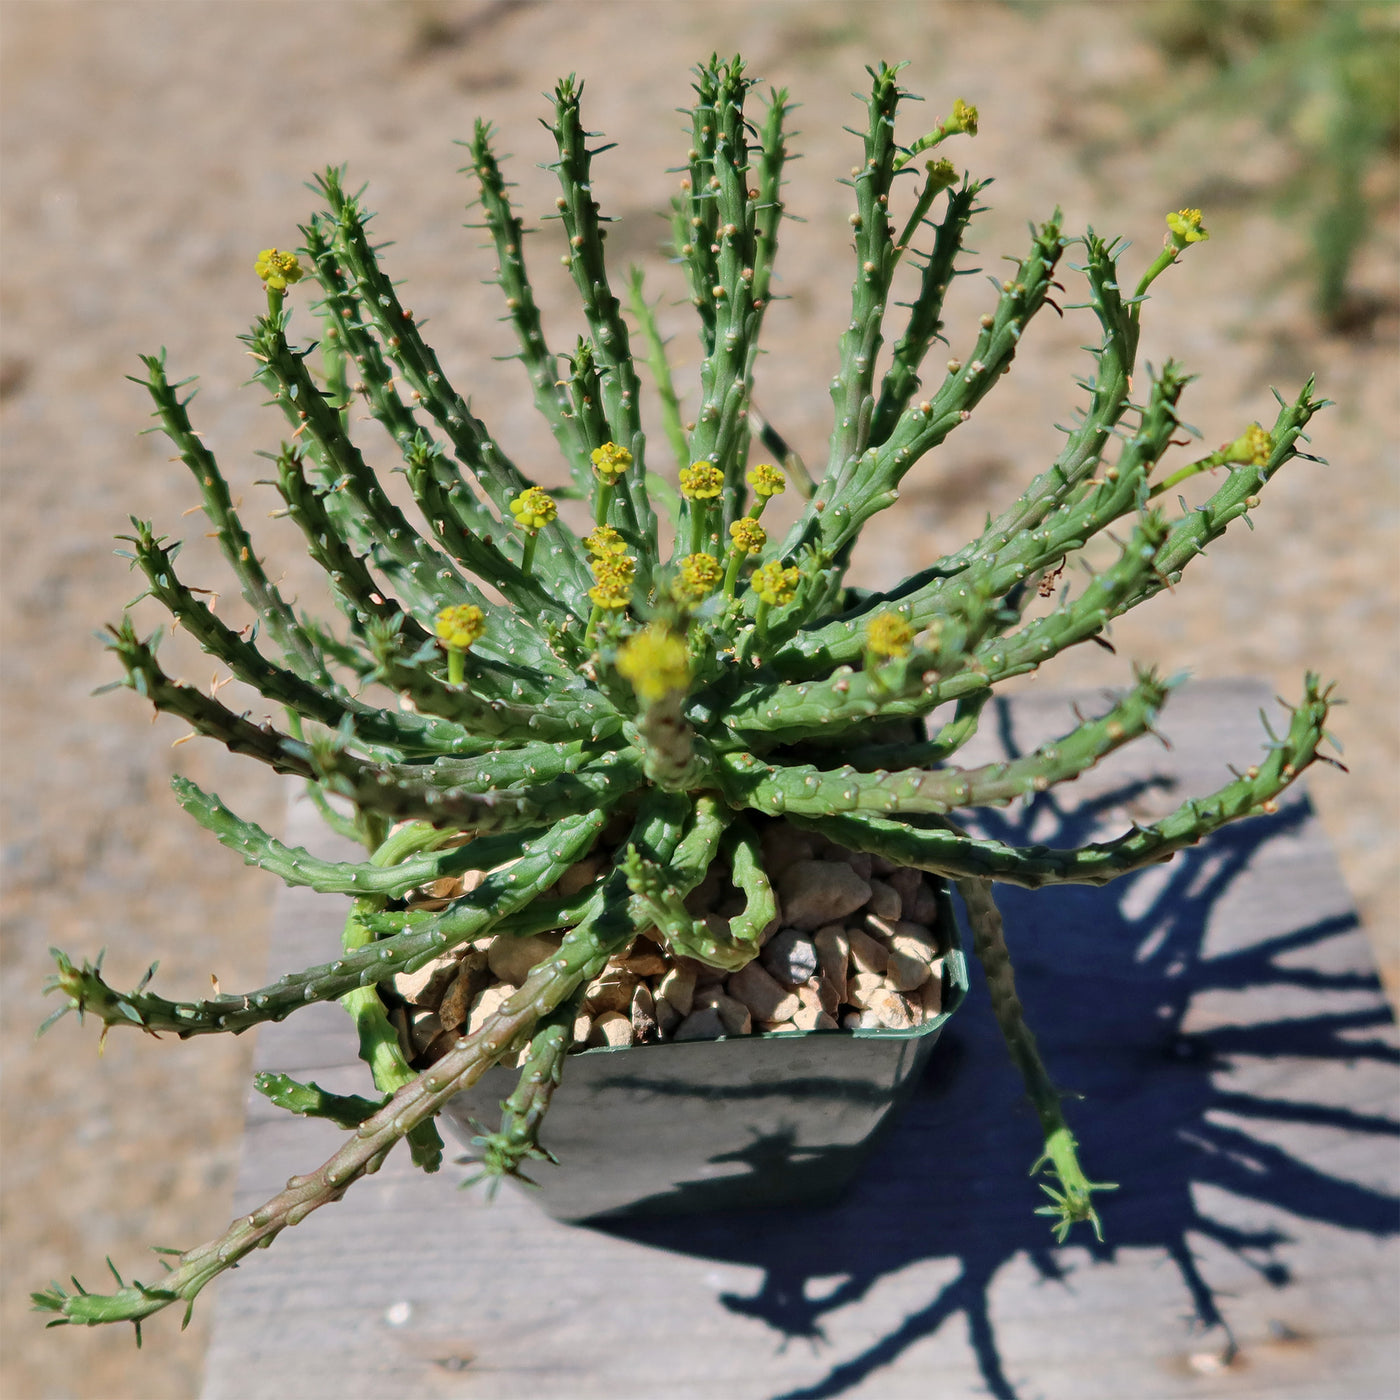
point(502, 893)
point(946, 849)
point(1072, 1202)
point(667, 397)
point(734, 563)
point(505, 1151)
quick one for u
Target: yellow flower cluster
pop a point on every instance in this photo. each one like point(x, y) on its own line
point(614, 573)
point(748, 535)
point(533, 509)
point(278, 269)
point(460, 625)
point(1185, 226)
point(774, 584)
point(700, 575)
point(964, 118)
point(888, 634)
point(942, 174)
point(766, 480)
point(610, 461)
point(1253, 447)
point(701, 481)
point(604, 541)
point(656, 662)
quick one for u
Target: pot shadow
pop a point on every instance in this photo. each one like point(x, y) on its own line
point(1108, 977)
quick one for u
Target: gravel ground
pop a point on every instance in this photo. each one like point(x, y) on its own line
point(151, 148)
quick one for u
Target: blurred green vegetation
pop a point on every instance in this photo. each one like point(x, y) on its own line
point(1323, 76)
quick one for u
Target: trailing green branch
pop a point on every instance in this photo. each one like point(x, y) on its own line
point(503, 892)
point(1072, 1203)
point(793, 790)
point(298, 867)
point(946, 850)
point(261, 593)
point(507, 232)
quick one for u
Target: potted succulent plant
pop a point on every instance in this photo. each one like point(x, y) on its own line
point(659, 790)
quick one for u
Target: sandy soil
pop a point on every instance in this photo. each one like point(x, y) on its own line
point(151, 148)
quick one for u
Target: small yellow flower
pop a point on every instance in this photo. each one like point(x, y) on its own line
point(748, 535)
point(610, 461)
point(964, 118)
point(656, 661)
point(613, 566)
point(533, 509)
point(700, 575)
point(774, 584)
point(941, 174)
point(1185, 227)
point(701, 481)
point(278, 269)
point(888, 634)
point(1253, 447)
point(614, 573)
point(460, 625)
point(605, 541)
point(766, 480)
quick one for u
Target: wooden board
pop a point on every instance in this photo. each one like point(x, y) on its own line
point(1237, 1060)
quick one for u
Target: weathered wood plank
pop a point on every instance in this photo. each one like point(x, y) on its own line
point(1237, 1059)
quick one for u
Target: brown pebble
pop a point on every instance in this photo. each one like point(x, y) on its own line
point(457, 1000)
point(512, 958)
point(893, 1009)
point(862, 988)
point(886, 929)
point(817, 892)
point(643, 1015)
point(438, 1048)
point(678, 988)
point(924, 909)
point(765, 997)
point(702, 1024)
point(859, 861)
point(486, 1003)
point(905, 881)
point(912, 953)
point(813, 1018)
point(736, 1017)
point(426, 986)
point(833, 954)
point(885, 900)
point(580, 875)
point(784, 845)
point(423, 1028)
point(646, 959)
point(827, 994)
point(867, 954)
point(612, 1028)
point(611, 990)
point(667, 1018)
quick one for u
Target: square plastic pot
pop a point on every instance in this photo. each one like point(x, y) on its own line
point(720, 1124)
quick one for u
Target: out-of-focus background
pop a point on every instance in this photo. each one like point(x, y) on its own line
point(150, 149)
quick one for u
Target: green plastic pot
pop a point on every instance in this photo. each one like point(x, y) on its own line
point(745, 1121)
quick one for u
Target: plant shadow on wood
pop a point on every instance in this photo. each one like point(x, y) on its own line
point(1115, 978)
